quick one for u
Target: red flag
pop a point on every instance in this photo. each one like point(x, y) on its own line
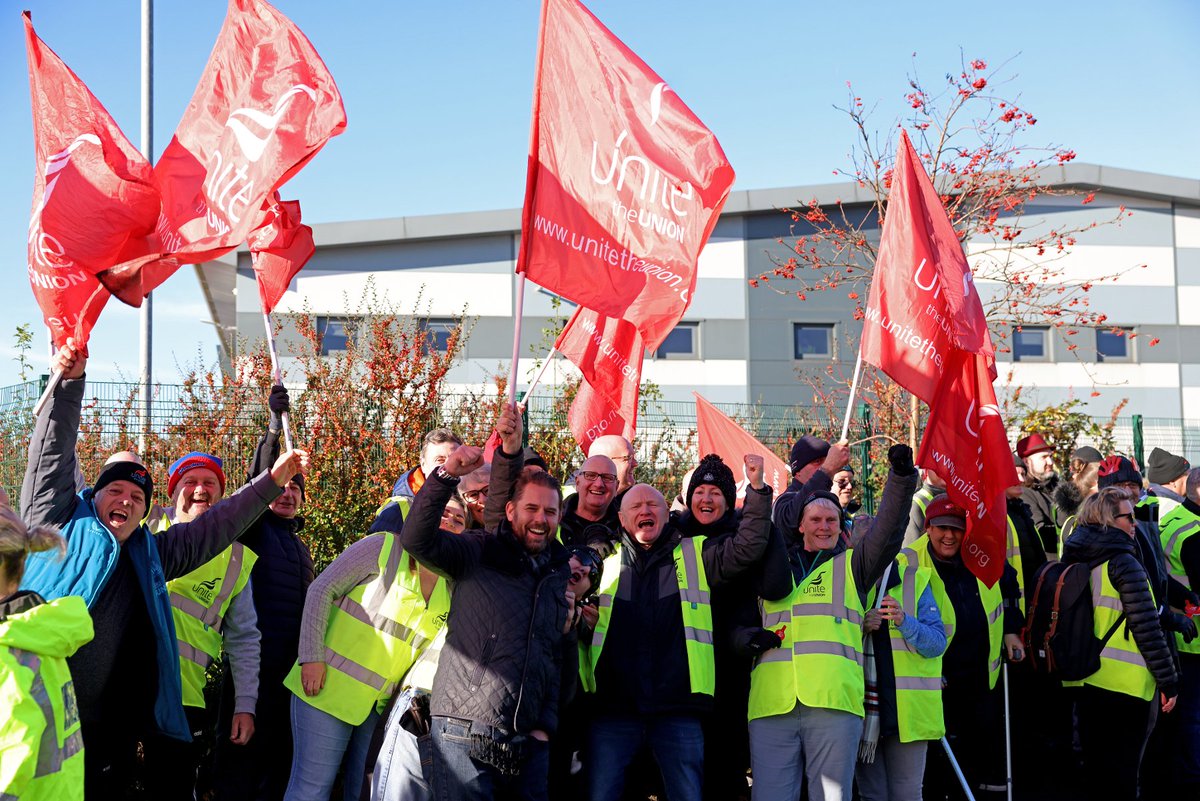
point(923, 300)
point(965, 443)
point(279, 247)
point(625, 183)
point(592, 416)
point(94, 202)
point(716, 433)
point(264, 106)
point(609, 352)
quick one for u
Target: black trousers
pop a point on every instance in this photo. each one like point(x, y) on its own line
point(258, 770)
point(171, 766)
point(1113, 730)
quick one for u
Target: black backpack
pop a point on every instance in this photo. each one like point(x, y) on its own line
point(1059, 631)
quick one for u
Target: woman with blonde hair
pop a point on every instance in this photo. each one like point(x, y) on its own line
point(1118, 704)
point(41, 747)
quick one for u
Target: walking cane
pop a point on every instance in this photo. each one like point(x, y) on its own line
point(957, 770)
point(1007, 736)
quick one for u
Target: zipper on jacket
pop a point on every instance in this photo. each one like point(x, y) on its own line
point(484, 658)
point(528, 643)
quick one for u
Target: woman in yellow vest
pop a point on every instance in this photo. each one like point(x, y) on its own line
point(1118, 704)
point(367, 618)
point(41, 747)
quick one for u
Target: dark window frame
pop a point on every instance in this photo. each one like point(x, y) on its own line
point(1047, 344)
point(693, 354)
point(830, 353)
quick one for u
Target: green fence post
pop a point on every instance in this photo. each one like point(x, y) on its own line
point(868, 486)
point(524, 417)
point(1139, 444)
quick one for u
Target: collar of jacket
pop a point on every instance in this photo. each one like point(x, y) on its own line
point(687, 524)
point(1192, 506)
point(1045, 485)
point(669, 538)
point(19, 603)
point(1096, 544)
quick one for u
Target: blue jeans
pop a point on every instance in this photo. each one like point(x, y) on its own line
point(457, 776)
point(403, 768)
point(676, 742)
point(323, 744)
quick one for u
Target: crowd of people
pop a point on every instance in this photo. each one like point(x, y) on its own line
point(496, 635)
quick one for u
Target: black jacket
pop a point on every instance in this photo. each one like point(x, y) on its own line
point(967, 661)
point(574, 530)
point(643, 668)
point(1039, 495)
point(1094, 546)
point(1028, 543)
point(503, 664)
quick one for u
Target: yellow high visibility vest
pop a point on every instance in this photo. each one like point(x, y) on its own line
point(1014, 559)
point(918, 678)
point(1178, 526)
point(990, 597)
point(199, 603)
point(694, 601)
point(375, 632)
point(820, 662)
point(403, 501)
point(1122, 667)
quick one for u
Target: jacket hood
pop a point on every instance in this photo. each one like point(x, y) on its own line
point(54, 628)
point(1096, 544)
point(1067, 497)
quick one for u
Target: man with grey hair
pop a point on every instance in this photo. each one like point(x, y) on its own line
point(435, 447)
point(1179, 528)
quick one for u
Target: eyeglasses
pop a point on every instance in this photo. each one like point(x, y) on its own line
point(474, 496)
point(588, 475)
point(845, 483)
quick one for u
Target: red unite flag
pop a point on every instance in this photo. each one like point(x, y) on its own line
point(625, 183)
point(264, 106)
point(923, 301)
point(609, 353)
point(966, 444)
point(94, 201)
point(592, 416)
point(716, 433)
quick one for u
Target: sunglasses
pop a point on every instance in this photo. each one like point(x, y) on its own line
point(1125, 514)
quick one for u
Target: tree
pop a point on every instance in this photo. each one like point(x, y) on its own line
point(971, 139)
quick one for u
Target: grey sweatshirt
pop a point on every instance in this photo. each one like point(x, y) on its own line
point(356, 564)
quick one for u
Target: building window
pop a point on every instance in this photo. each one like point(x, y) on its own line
point(1114, 345)
point(1031, 343)
point(336, 333)
point(681, 343)
point(439, 330)
point(812, 340)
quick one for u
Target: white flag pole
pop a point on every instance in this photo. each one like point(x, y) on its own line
point(516, 351)
point(537, 379)
point(278, 375)
point(853, 392)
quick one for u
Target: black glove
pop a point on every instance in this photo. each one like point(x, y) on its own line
point(278, 400)
point(764, 640)
point(1173, 621)
point(901, 459)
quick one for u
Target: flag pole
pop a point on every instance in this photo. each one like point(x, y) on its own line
point(1008, 780)
point(516, 351)
point(957, 770)
point(278, 375)
point(537, 379)
point(853, 392)
point(55, 378)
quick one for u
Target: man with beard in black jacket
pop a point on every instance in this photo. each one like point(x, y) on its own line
point(711, 512)
point(650, 657)
point(509, 642)
point(1040, 483)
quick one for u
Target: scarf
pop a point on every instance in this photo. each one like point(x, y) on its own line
point(870, 736)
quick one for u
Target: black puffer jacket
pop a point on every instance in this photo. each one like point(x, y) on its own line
point(1094, 546)
point(503, 662)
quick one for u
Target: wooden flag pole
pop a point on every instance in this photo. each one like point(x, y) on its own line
point(853, 392)
point(287, 427)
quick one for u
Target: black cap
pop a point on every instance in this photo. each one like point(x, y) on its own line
point(127, 471)
point(1088, 455)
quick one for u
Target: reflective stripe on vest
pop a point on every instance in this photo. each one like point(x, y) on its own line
point(695, 603)
point(991, 598)
point(1122, 668)
point(1178, 526)
point(375, 633)
point(820, 660)
point(918, 679)
point(50, 756)
point(403, 501)
point(199, 602)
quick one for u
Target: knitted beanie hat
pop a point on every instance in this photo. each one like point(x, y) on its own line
point(713, 470)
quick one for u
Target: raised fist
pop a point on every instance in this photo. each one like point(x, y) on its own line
point(278, 401)
point(900, 457)
point(70, 359)
point(508, 426)
point(465, 459)
point(837, 458)
point(754, 470)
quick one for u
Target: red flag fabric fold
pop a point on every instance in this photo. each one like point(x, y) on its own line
point(923, 301)
point(592, 416)
point(279, 247)
point(717, 433)
point(609, 352)
point(625, 183)
point(965, 443)
point(94, 201)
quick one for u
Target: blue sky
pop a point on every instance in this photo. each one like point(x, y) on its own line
point(438, 99)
